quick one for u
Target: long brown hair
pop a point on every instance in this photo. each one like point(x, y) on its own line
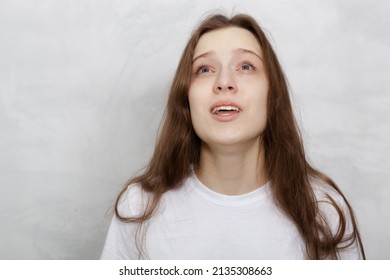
point(178, 149)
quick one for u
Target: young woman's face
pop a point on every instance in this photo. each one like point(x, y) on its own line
point(229, 88)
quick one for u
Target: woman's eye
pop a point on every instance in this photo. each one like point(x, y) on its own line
point(202, 69)
point(246, 66)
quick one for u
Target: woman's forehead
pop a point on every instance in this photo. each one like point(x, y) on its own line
point(230, 39)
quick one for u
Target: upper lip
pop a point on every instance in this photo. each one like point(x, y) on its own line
point(224, 103)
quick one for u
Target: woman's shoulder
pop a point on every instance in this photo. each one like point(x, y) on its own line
point(326, 193)
point(332, 205)
point(133, 201)
point(333, 209)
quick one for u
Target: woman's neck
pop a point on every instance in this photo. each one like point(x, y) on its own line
point(232, 170)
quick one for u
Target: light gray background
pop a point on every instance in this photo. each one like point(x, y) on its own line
point(83, 85)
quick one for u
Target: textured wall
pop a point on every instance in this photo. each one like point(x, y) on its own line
point(83, 86)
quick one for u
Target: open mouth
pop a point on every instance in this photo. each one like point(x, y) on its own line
point(225, 110)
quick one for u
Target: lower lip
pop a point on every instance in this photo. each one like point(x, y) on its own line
point(226, 117)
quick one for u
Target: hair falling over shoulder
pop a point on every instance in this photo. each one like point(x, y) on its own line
point(288, 170)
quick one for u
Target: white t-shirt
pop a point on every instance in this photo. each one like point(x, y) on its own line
point(194, 222)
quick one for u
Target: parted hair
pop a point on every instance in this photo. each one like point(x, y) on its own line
point(177, 150)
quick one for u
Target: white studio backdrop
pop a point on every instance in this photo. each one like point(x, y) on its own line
point(83, 86)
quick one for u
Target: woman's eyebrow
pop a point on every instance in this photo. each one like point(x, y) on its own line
point(203, 55)
point(240, 50)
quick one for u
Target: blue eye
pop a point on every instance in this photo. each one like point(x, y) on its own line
point(247, 65)
point(202, 69)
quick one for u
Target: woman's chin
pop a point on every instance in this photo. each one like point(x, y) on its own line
point(229, 142)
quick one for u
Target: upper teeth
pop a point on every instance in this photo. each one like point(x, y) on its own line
point(226, 108)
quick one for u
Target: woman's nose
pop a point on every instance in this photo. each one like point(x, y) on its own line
point(225, 82)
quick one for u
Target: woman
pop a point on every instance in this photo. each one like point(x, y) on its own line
point(228, 178)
